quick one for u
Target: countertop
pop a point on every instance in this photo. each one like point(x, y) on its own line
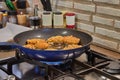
point(104, 51)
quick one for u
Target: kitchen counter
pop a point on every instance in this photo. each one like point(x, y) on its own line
point(6, 54)
point(112, 54)
point(106, 52)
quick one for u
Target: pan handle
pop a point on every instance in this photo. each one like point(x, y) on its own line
point(8, 46)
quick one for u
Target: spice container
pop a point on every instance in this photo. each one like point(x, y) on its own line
point(47, 19)
point(58, 20)
point(4, 19)
point(70, 20)
point(12, 17)
point(34, 22)
point(22, 19)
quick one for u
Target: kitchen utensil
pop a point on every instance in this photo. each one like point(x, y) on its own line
point(46, 5)
point(50, 55)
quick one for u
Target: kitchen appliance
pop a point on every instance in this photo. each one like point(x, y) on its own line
point(92, 69)
point(50, 55)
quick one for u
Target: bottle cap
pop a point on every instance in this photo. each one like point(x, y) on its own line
point(4, 14)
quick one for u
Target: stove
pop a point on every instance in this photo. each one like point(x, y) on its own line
point(91, 66)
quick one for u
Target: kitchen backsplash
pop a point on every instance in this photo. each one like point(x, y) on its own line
point(100, 18)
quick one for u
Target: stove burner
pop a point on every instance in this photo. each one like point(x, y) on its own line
point(67, 77)
point(57, 63)
point(53, 63)
point(113, 68)
point(32, 75)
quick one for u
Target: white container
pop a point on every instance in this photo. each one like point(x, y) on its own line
point(47, 19)
point(58, 20)
point(70, 20)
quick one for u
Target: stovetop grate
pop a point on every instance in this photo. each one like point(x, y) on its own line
point(72, 69)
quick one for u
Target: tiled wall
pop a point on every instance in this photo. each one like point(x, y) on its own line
point(100, 18)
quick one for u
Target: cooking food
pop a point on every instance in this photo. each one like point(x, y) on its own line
point(40, 45)
point(54, 43)
point(71, 40)
point(56, 39)
point(34, 41)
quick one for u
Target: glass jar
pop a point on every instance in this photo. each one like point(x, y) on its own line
point(34, 22)
point(22, 19)
point(12, 18)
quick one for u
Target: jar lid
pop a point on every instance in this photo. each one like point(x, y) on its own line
point(12, 12)
point(70, 14)
point(57, 13)
point(46, 13)
point(21, 4)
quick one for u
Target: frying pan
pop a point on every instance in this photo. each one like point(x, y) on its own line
point(50, 55)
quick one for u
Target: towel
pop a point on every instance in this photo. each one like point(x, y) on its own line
point(7, 33)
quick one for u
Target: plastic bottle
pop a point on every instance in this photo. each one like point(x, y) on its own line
point(10, 5)
point(36, 10)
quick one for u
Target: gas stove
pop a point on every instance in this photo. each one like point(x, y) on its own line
point(91, 66)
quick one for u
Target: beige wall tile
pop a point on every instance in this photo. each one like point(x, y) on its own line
point(102, 20)
point(86, 7)
point(109, 33)
point(86, 27)
point(105, 42)
point(83, 16)
point(109, 1)
point(108, 11)
point(117, 24)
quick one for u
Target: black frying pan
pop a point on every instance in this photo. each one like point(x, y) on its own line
point(49, 55)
